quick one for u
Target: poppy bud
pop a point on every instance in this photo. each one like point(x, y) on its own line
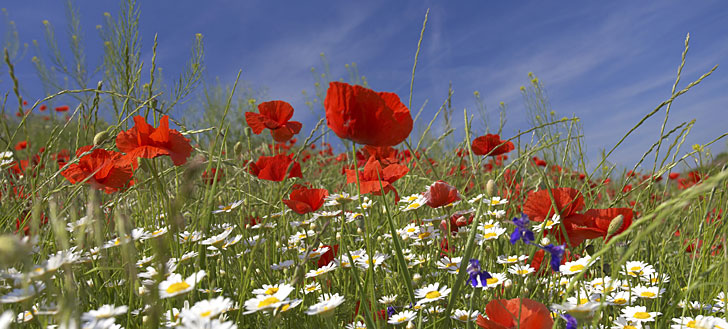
point(247, 131)
point(615, 225)
point(545, 241)
point(238, 149)
point(101, 137)
point(313, 226)
point(410, 325)
point(490, 187)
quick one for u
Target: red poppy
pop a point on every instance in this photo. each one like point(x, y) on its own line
point(63, 108)
point(538, 205)
point(369, 178)
point(104, 168)
point(145, 141)
point(366, 117)
point(274, 115)
point(43, 108)
point(521, 313)
point(274, 168)
point(592, 224)
point(674, 175)
point(328, 256)
point(441, 194)
point(306, 200)
point(491, 144)
point(21, 145)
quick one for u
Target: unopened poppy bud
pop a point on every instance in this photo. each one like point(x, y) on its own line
point(545, 241)
point(359, 231)
point(490, 187)
point(338, 235)
point(247, 131)
point(410, 325)
point(238, 149)
point(313, 226)
point(101, 137)
point(615, 225)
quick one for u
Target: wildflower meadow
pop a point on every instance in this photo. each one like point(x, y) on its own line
point(118, 211)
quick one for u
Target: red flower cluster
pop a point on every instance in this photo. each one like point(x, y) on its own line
point(275, 168)
point(522, 313)
point(375, 179)
point(274, 115)
point(365, 116)
point(112, 171)
point(568, 202)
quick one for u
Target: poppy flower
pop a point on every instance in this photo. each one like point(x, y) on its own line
point(104, 168)
point(306, 200)
point(492, 145)
point(365, 116)
point(145, 141)
point(274, 115)
point(369, 178)
point(520, 313)
point(43, 108)
point(674, 175)
point(579, 227)
point(21, 145)
point(328, 256)
point(274, 168)
point(63, 108)
point(441, 194)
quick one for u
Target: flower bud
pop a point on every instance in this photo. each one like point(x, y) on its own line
point(410, 325)
point(238, 149)
point(615, 225)
point(490, 187)
point(247, 131)
point(101, 137)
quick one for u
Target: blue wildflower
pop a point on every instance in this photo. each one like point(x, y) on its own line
point(477, 276)
point(522, 231)
point(570, 321)
point(557, 252)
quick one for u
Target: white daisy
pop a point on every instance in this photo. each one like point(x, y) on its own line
point(431, 293)
point(326, 305)
point(465, 316)
point(228, 208)
point(174, 285)
point(402, 317)
point(639, 314)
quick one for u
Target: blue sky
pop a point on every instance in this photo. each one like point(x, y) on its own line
point(608, 62)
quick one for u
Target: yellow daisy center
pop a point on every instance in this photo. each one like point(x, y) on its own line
point(489, 235)
point(177, 287)
point(522, 272)
point(205, 314)
point(620, 301)
point(642, 315)
point(423, 235)
point(487, 226)
point(433, 294)
point(576, 268)
point(268, 301)
point(647, 294)
point(491, 281)
point(271, 290)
